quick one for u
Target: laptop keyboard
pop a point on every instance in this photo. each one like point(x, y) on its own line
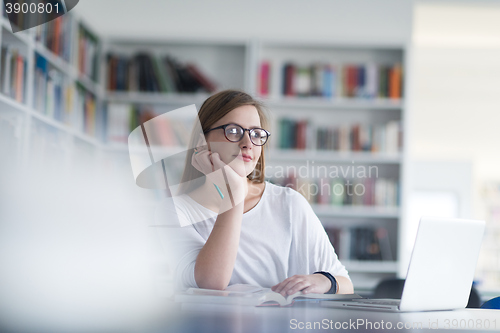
point(381, 302)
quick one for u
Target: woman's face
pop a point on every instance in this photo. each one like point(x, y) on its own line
point(242, 155)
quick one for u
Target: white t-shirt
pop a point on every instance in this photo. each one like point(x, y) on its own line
point(280, 237)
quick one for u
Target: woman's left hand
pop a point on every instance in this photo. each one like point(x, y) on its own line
point(313, 283)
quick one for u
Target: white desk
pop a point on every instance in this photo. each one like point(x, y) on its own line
point(306, 316)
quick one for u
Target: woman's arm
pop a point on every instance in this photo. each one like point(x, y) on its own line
point(215, 262)
point(345, 285)
point(312, 283)
point(311, 251)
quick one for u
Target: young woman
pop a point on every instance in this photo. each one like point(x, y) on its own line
point(238, 228)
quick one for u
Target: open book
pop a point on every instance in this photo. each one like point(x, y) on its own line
point(244, 294)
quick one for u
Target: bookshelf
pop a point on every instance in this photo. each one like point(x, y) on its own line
point(339, 107)
point(80, 68)
point(53, 93)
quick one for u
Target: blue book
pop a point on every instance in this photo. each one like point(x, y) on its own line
point(360, 89)
point(41, 63)
point(328, 82)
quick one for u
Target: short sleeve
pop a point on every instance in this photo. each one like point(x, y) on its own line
point(311, 250)
point(180, 241)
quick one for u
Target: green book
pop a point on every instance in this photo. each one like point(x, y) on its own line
point(338, 192)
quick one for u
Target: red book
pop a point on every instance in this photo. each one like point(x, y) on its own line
point(112, 73)
point(347, 81)
point(352, 81)
point(57, 35)
point(356, 144)
point(264, 78)
point(301, 134)
point(289, 78)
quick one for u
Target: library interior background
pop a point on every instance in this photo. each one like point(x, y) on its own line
point(392, 106)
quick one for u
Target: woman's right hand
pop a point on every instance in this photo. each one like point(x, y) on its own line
point(228, 177)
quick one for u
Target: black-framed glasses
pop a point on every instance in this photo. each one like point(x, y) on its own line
point(234, 133)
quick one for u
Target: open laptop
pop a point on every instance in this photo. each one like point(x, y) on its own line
point(441, 269)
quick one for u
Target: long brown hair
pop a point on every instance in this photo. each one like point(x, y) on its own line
point(214, 108)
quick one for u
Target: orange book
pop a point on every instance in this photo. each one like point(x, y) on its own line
point(395, 81)
point(90, 115)
point(57, 35)
point(19, 78)
point(81, 54)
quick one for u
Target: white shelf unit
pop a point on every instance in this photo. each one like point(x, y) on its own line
point(336, 111)
point(32, 121)
point(235, 64)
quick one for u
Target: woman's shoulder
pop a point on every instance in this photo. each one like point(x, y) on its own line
point(290, 202)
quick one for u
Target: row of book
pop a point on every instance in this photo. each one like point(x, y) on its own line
point(165, 132)
point(361, 243)
point(302, 134)
point(88, 47)
point(56, 35)
point(13, 73)
point(340, 191)
point(53, 93)
point(147, 73)
point(335, 81)
point(59, 98)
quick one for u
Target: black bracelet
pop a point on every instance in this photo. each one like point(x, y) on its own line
point(333, 289)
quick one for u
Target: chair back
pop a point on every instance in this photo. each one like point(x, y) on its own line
point(493, 303)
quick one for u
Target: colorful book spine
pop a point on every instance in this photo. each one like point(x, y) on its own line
point(264, 78)
point(148, 73)
point(366, 81)
point(333, 189)
point(88, 46)
point(301, 134)
point(56, 36)
point(13, 73)
point(20, 78)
